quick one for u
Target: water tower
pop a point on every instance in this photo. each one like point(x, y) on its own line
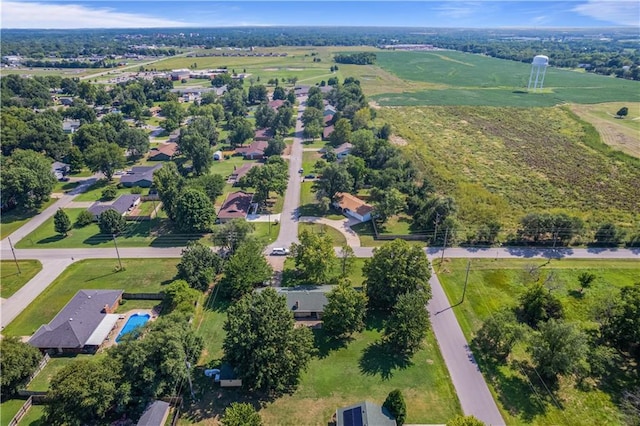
point(538, 68)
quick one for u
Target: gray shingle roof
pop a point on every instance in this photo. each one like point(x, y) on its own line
point(311, 300)
point(122, 204)
point(140, 173)
point(75, 323)
point(364, 414)
point(155, 414)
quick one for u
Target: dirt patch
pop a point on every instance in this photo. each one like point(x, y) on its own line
point(374, 105)
point(397, 140)
point(270, 69)
point(295, 69)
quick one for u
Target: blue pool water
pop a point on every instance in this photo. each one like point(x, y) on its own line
point(134, 321)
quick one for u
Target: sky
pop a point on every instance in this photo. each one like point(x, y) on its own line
point(205, 13)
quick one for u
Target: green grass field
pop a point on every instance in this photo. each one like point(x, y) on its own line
point(139, 276)
point(317, 228)
point(12, 281)
point(42, 380)
point(8, 409)
point(35, 416)
point(494, 285)
point(467, 79)
point(94, 192)
point(14, 219)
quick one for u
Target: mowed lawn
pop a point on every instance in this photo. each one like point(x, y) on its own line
point(42, 380)
point(14, 219)
point(12, 281)
point(139, 276)
point(318, 228)
point(494, 285)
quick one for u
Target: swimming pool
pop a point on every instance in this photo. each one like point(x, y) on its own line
point(134, 321)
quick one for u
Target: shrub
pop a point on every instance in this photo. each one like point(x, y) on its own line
point(109, 193)
point(396, 406)
point(84, 218)
point(136, 190)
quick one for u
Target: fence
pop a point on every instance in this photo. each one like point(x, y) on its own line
point(45, 360)
point(143, 296)
point(21, 412)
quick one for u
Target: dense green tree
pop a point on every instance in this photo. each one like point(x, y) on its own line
point(387, 203)
point(385, 131)
point(241, 414)
point(173, 113)
point(136, 142)
point(109, 193)
point(558, 348)
point(18, 361)
point(199, 265)
point(261, 342)
point(205, 126)
point(585, 279)
point(230, 235)
point(169, 184)
point(104, 157)
point(345, 310)
point(465, 421)
point(273, 176)
point(396, 268)
point(61, 222)
point(194, 211)
point(537, 304)
point(111, 222)
point(335, 178)
point(314, 257)
point(406, 327)
point(75, 159)
point(197, 149)
point(235, 102)
point(241, 130)
point(357, 168)
point(396, 406)
point(245, 270)
point(212, 185)
point(265, 116)
point(434, 212)
point(279, 93)
point(361, 118)
point(258, 94)
point(622, 328)
point(312, 131)
point(94, 133)
point(498, 334)
point(312, 116)
point(341, 132)
point(84, 218)
point(608, 235)
point(179, 296)
point(275, 147)
point(315, 100)
point(283, 121)
point(27, 180)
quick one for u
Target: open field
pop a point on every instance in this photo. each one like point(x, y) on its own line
point(501, 163)
point(11, 281)
point(494, 285)
point(139, 276)
point(14, 219)
point(467, 79)
point(622, 134)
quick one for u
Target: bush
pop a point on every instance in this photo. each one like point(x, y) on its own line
point(136, 190)
point(84, 218)
point(109, 193)
point(396, 406)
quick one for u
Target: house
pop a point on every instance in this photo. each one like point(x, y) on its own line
point(235, 206)
point(364, 414)
point(155, 111)
point(327, 131)
point(255, 151)
point(305, 303)
point(123, 205)
point(163, 152)
point(70, 126)
point(325, 90)
point(82, 325)
point(139, 176)
point(343, 150)
point(301, 90)
point(352, 206)
point(60, 170)
point(327, 119)
point(156, 414)
point(240, 172)
point(329, 110)
point(228, 377)
point(263, 135)
point(276, 104)
point(180, 74)
point(66, 101)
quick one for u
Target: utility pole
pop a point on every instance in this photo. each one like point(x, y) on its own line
point(269, 223)
point(446, 234)
point(435, 233)
point(14, 256)
point(466, 279)
point(117, 252)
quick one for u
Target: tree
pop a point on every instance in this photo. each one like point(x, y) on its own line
point(111, 222)
point(245, 270)
point(312, 116)
point(498, 334)
point(75, 159)
point(61, 222)
point(465, 421)
point(407, 325)
point(335, 178)
point(169, 184)
point(585, 279)
point(194, 211)
point(84, 218)
point(608, 235)
point(357, 168)
point(173, 113)
point(241, 130)
point(235, 102)
point(283, 121)
point(387, 203)
point(341, 132)
point(537, 304)
point(197, 149)
point(205, 126)
point(396, 406)
point(434, 212)
point(104, 157)
point(347, 260)
point(18, 361)
point(273, 176)
point(199, 265)
point(557, 348)
point(622, 112)
point(241, 414)
point(345, 310)
point(279, 93)
point(396, 268)
point(212, 185)
point(27, 180)
point(314, 257)
point(261, 342)
point(265, 116)
point(361, 118)
point(258, 94)
point(275, 146)
point(136, 142)
point(230, 235)
point(622, 329)
point(179, 296)
point(312, 131)
point(109, 193)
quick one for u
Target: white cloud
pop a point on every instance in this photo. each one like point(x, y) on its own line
point(67, 16)
point(618, 12)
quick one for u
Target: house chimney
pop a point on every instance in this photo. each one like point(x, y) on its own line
point(297, 304)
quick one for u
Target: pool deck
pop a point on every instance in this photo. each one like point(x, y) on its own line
point(111, 338)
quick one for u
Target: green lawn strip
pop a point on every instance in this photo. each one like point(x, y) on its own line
point(134, 304)
point(14, 219)
point(55, 364)
point(318, 228)
point(94, 192)
point(9, 408)
point(139, 276)
point(309, 160)
point(497, 284)
point(227, 166)
point(316, 144)
point(35, 416)
point(64, 186)
point(12, 281)
point(309, 204)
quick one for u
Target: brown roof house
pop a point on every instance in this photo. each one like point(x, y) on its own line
point(235, 206)
point(163, 152)
point(82, 325)
point(276, 104)
point(326, 132)
point(352, 206)
point(255, 151)
point(240, 172)
point(263, 135)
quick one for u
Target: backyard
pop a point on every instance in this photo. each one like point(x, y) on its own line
point(12, 280)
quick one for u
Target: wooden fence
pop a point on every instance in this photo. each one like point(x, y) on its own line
point(143, 296)
point(21, 412)
point(43, 363)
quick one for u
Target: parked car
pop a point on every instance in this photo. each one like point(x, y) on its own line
point(301, 171)
point(310, 177)
point(280, 251)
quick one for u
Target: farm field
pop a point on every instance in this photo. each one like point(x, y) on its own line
point(12, 281)
point(494, 285)
point(140, 275)
point(480, 80)
point(501, 163)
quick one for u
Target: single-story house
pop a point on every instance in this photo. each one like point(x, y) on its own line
point(327, 131)
point(163, 152)
point(218, 155)
point(263, 135)
point(180, 74)
point(235, 206)
point(59, 169)
point(66, 101)
point(240, 172)
point(255, 151)
point(70, 126)
point(228, 377)
point(156, 414)
point(305, 303)
point(364, 414)
point(327, 119)
point(139, 176)
point(352, 206)
point(82, 325)
point(301, 90)
point(276, 104)
point(343, 150)
point(155, 111)
point(123, 204)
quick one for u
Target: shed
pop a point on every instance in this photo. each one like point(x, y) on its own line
point(228, 377)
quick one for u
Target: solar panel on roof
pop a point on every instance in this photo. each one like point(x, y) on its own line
point(352, 417)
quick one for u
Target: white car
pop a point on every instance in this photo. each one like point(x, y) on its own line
point(280, 251)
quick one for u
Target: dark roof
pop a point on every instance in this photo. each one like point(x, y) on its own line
point(139, 173)
point(155, 414)
point(75, 323)
point(227, 372)
point(236, 205)
point(122, 204)
point(312, 300)
point(257, 147)
point(243, 170)
point(343, 148)
point(276, 103)
point(168, 149)
point(364, 414)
